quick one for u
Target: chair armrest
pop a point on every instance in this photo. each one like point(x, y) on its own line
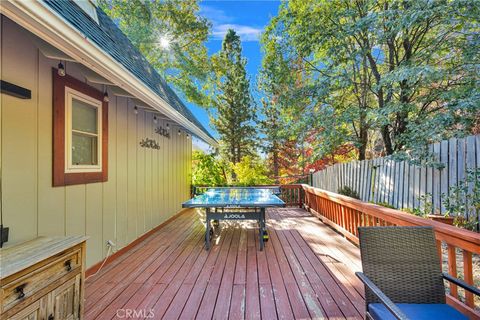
point(397, 313)
point(461, 283)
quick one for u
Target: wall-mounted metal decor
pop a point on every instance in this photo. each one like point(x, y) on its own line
point(149, 143)
point(163, 132)
point(14, 90)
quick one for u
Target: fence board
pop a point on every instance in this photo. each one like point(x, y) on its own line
point(436, 180)
point(382, 183)
point(444, 173)
point(377, 164)
point(406, 179)
point(400, 176)
point(461, 162)
point(429, 178)
point(396, 186)
point(411, 186)
point(469, 165)
point(391, 189)
point(369, 179)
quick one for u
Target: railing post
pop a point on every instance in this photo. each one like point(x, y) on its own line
point(301, 193)
point(452, 269)
point(468, 276)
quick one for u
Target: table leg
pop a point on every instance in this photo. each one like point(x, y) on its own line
point(207, 232)
point(262, 228)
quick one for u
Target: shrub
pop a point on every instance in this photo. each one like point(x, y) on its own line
point(385, 204)
point(207, 170)
point(349, 192)
point(426, 206)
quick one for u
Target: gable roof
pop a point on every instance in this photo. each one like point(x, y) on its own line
point(108, 36)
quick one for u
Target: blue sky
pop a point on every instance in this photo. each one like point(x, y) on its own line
point(248, 19)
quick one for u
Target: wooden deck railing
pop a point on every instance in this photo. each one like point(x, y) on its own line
point(292, 194)
point(345, 215)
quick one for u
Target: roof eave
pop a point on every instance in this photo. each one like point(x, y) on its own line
point(39, 19)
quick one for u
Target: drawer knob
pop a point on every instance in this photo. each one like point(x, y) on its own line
point(19, 291)
point(68, 265)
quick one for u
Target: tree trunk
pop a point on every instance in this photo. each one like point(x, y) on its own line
point(362, 150)
point(387, 140)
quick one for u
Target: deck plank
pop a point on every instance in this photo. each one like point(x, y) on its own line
point(200, 283)
point(313, 305)
point(133, 263)
point(305, 271)
point(282, 303)
point(252, 295)
point(125, 278)
point(222, 306)
point(176, 274)
point(207, 305)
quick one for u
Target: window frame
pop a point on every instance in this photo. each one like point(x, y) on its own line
point(71, 94)
point(64, 172)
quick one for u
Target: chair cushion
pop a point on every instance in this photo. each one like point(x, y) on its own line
point(417, 311)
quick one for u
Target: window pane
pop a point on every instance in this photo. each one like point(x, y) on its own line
point(84, 116)
point(84, 150)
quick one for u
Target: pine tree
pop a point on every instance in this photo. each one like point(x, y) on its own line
point(235, 114)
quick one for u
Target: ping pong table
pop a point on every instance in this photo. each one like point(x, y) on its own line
point(236, 203)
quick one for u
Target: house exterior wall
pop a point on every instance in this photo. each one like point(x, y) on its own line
point(145, 186)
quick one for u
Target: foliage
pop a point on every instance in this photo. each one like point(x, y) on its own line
point(462, 202)
point(207, 170)
point(349, 192)
point(385, 204)
point(425, 208)
point(234, 114)
point(270, 127)
point(251, 171)
point(290, 148)
point(211, 170)
point(469, 223)
point(349, 72)
point(465, 198)
point(171, 35)
point(284, 141)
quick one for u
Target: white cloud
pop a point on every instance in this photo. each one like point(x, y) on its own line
point(221, 22)
point(216, 16)
point(246, 33)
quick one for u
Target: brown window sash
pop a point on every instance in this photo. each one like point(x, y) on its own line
point(60, 177)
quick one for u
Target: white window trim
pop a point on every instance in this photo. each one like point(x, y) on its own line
point(69, 166)
point(88, 6)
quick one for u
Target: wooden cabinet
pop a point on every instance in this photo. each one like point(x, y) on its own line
point(43, 279)
point(34, 311)
point(66, 300)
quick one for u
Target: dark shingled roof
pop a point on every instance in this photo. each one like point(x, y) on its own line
point(113, 41)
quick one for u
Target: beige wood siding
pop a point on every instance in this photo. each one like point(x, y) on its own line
point(144, 188)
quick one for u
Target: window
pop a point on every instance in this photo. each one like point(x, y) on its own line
point(83, 132)
point(88, 6)
point(80, 131)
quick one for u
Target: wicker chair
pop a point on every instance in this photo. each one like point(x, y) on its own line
point(402, 274)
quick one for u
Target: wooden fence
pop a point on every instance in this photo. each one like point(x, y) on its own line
point(455, 246)
point(401, 184)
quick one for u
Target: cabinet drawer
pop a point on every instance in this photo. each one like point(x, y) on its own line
point(39, 279)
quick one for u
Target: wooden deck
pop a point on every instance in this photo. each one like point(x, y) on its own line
point(306, 271)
